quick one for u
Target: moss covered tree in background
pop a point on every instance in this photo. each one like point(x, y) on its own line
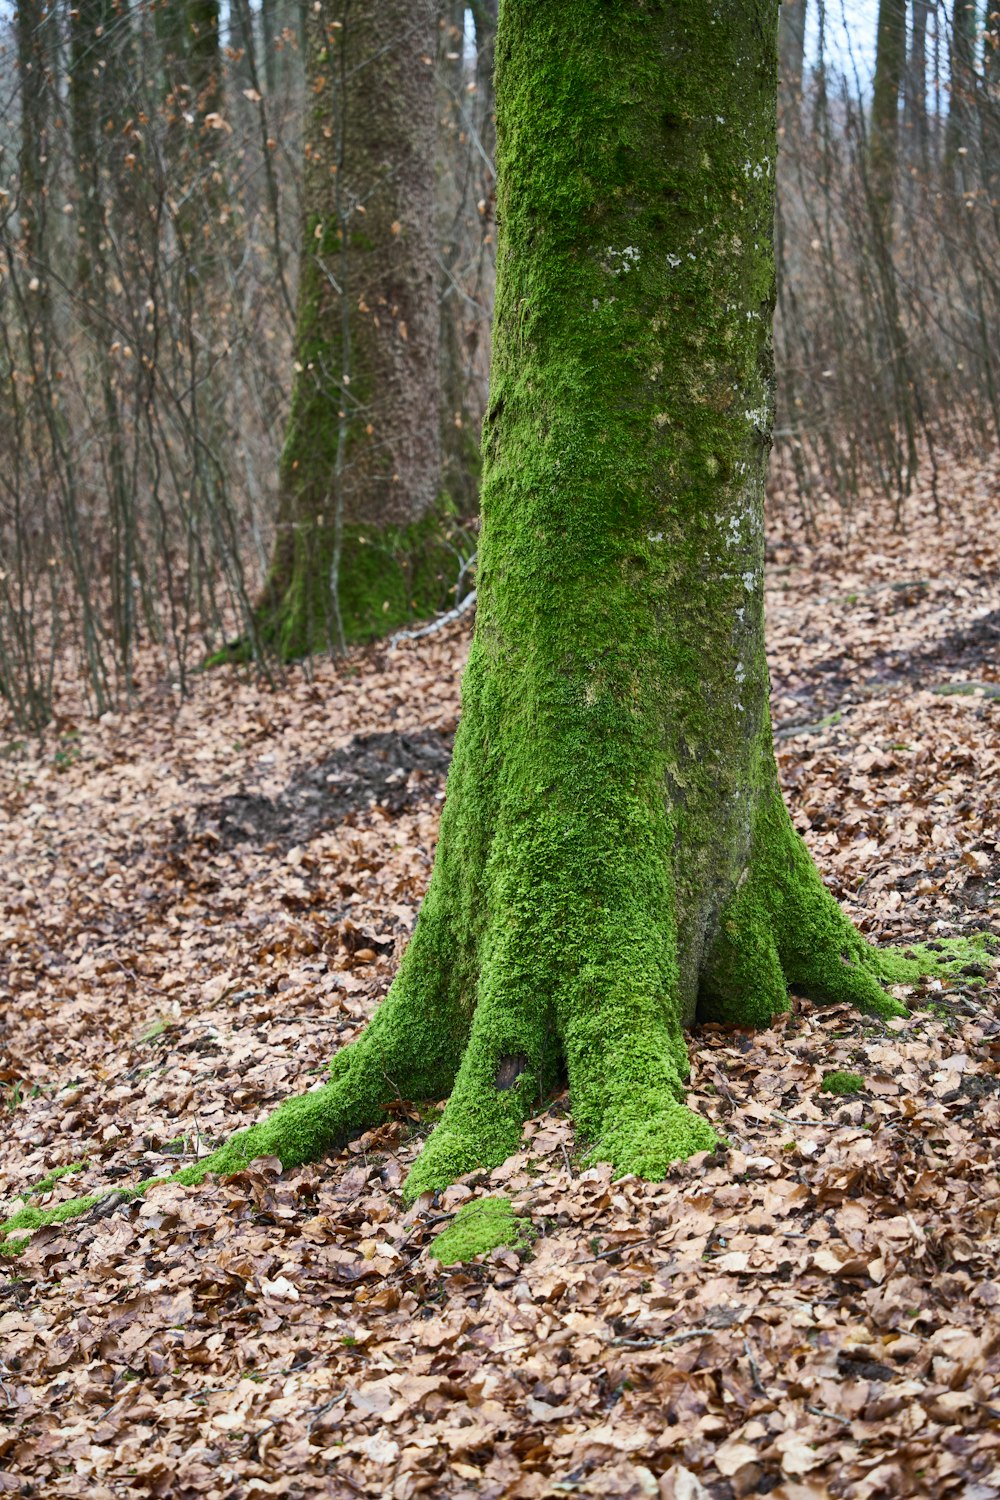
point(615, 857)
point(360, 468)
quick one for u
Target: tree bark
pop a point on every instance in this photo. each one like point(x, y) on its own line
point(615, 858)
point(890, 61)
point(459, 181)
point(98, 86)
point(915, 87)
point(792, 46)
point(990, 107)
point(35, 31)
point(962, 89)
point(361, 461)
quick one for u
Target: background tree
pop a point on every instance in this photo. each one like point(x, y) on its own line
point(962, 87)
point(100, 55)
point(466, 260)
point(792, 45)
point(890, 62)
point(916, 81)
point(360, 468)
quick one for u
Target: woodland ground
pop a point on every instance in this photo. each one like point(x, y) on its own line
point(200, 901)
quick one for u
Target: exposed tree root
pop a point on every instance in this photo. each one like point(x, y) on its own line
point(625, 1058)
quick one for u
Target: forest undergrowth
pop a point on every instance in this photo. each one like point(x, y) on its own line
point(201, 900)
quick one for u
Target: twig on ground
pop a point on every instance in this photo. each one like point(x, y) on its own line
point(671, 1338)
point(435, 625)
point(758, 1383)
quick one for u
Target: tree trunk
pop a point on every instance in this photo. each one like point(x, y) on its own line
point(98, 87)
point(361, 462)
point(35, 29)
point(890, 59)
point(915, 87)
point(792, 47)
point(990, 108)
point(458, 194)
point(962, 91)
point(269, 37)
point(615, 857)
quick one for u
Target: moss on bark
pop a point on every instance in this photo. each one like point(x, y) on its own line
point(372, 580)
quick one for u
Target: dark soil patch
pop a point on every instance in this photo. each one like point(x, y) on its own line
point(842, 679)
point(390, 770)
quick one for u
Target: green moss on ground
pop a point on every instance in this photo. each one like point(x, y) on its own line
point(478, 1228)
point(48, 1182)
point(842, 1083)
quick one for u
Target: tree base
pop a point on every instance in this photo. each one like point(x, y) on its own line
point(387, 580)
point(643, 1129)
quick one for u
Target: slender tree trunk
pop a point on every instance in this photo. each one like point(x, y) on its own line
point(98, 56)
point(35, 28)
point(990, 107)
point(170, 24)
point(204, 56)
point(268, 43)
point(915, 114)
point(458, 179)
point(792, 48)
point(883, 154)
point(361, 461)
point(890, 60)
point(615, 857)
point(962, 94)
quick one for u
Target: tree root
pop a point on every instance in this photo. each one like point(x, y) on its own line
point(621, 1044)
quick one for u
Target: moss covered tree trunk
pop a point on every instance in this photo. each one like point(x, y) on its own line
point(361, 461)
point(615, 857)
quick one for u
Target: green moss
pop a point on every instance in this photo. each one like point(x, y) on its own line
point(37, 1218)
point(387, 579)
point(478, 1228)
point(48, 1182)
point(842, 1083)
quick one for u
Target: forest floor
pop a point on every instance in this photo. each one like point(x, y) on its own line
point(201, 901)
